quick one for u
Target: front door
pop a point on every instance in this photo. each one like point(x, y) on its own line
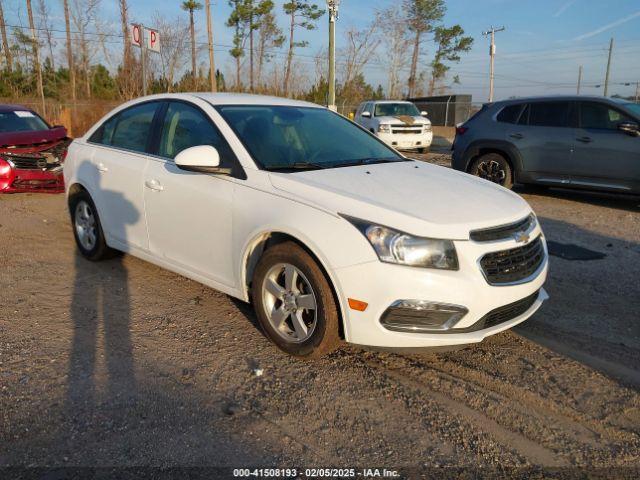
point(605, 157)
point(189, 214)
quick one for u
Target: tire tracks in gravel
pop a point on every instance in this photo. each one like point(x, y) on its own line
point(528, 449)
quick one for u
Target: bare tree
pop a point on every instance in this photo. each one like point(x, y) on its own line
point(360, 49)
point(72, 70)
point(36, 56)
point(124, 21)
point(83, 14)
point(212, 68)
point(45, 26)
point(5, 42)
point(396, 45)
point(174, 46)
point(190, 6)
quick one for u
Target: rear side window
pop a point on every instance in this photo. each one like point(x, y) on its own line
point(549, 114)
point(129, 129)
point(509, 114)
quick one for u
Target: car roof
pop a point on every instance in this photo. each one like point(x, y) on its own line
point(569, 98)
point(7, 107)
point(244, 99)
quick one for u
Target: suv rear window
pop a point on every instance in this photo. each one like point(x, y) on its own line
point(509, 114)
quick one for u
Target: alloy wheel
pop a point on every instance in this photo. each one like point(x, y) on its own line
point(290, 302)
point(492, 171)
point(85, 225)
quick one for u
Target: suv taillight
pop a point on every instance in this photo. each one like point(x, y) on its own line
point(461, 130)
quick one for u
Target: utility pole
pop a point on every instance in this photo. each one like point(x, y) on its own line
point(492, 55)
point(36, 56)
point(637, 91)
point(606, 78)
point(5, 43)
point(579, 79)
point(333, 16)
point(212, 67)
point(143, 60)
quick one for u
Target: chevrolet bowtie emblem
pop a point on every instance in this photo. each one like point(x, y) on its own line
point(521, 237)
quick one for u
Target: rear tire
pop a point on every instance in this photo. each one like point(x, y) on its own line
point(87, 229)
point(493, 167)
point(294, 302)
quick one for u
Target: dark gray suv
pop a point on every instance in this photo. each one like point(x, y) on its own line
point(581, 142)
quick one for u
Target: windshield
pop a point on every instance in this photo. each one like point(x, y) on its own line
point(281, 137)
point(21, 121)
point(396, 109)
point(634, 107)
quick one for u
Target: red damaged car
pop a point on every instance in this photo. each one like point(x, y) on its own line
point(31, 152)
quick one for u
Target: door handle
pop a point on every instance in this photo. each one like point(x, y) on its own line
point(517, 136)
point(102, 167)
point(584, 139)
point(154, 185)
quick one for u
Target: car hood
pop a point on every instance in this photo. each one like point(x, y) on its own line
point(29, 138)
point(404, 120)
point(415, 197)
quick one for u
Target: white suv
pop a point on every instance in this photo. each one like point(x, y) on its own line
point(330, 233)
point(398, 124)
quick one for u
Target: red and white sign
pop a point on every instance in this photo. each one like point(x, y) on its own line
point(153, 40)
point(135, 34)
point(149, 37)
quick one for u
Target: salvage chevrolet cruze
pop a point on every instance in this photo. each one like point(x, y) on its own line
point(331, 234)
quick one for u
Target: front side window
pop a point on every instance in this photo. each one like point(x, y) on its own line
point(600, 116)
point(21, 121)
point(549, 114)
point(396, 109)
point(130, 129)
point(282, 137)
point(186, 126)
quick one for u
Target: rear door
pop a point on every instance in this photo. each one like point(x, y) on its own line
point(544, 136)
point(116, 171)
point(604, 157)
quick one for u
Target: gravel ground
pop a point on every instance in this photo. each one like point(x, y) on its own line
point(122, 363)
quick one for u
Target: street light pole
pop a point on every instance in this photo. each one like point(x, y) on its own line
point(333, 16)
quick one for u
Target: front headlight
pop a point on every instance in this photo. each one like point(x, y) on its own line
point(384, 128)
point(393, 246)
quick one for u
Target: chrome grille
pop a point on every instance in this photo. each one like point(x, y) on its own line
point(28, 162)
point(514, 265)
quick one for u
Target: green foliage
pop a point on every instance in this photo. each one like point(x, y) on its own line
point(304, 13)
point(422, 15)
point(190, 6)
point(450, 43)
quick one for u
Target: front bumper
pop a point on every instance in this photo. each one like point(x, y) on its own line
point(406, 141)
point(380, 285)
point(23, 181)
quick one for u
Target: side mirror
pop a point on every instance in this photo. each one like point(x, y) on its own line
point(630, 128)
point(203, 159)
point(424, 114)
point(366, 114)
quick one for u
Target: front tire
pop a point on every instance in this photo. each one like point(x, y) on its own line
point(87, 229)
point(294, 302)
point(493, 167)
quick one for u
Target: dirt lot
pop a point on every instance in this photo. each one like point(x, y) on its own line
point(121, 363)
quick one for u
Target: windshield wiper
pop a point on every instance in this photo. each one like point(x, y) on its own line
point(295, 166)
point(369, 161)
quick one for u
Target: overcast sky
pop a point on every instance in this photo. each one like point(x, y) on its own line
point(540, 51)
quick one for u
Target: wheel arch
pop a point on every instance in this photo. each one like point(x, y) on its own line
point(261, 242)
point(505, 149)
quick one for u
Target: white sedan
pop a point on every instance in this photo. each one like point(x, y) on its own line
point(330, 234)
